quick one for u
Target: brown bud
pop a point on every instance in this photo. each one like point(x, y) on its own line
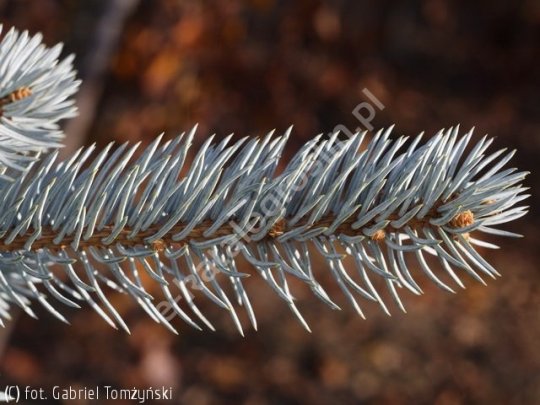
point(463, 219)
point(379, 235)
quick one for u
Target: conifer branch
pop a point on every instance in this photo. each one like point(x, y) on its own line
point(69, 229)
point(35, 91)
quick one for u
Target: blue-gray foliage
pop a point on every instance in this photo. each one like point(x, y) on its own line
point(168, 230)
point(103, 218)
point(35, 90)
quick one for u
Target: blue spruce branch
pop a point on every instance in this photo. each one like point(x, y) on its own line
point(116, 215)
point(71, 231)
point(35, 91)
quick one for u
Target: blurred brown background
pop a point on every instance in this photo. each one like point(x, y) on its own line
point(249, 67)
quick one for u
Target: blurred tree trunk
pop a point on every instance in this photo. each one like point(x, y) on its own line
point(107, 30)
